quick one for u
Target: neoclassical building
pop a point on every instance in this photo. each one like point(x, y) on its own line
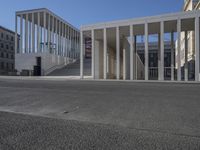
point(115, 53)
point(47, 42)
point(188, 67)
point(7, 51)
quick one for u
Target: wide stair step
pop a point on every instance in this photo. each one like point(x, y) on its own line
point(73, 69)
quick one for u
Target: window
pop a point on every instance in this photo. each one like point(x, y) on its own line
point(7, 55)
point(12, 38)
point(2, 65)
point(12, 66)
point(12, 56)
point(2, 45)
point(7, 37)
point(2, 55)
point(6, 46)
point(7, 66)
point(11, 48)
point(1, 35)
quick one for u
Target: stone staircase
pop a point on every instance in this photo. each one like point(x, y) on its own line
point(73, 69)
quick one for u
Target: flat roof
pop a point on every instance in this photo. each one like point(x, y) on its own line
point(142, 20)
point(18, 13)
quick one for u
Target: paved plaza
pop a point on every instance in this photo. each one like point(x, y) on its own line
point(109, 114)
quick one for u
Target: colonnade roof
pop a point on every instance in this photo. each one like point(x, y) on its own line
point(42, 10)
point(170, 18)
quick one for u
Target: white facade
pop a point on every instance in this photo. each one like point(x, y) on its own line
point(114, 52)
point(43, 34)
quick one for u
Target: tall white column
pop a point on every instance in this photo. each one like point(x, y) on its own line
point(135, 58)
point(59, 39)
point(93, 54)
point(146, 52)
point(53, 34)
point(105, 52)
point(124, 59)
point(62, 39)
point(29, 35)
point(118, 53)
point(161, 66)
point(124, 64)
point(77, 44)
point(81, 55)
point(131, 52)
point(73, 39)
point(48, 33)
point(186, 56)
point(74, 44)
point(16, 41)
point(197, 48)
point(21, 34)
point(179, 50)
point(56, 37)
point(26, 34)
point(70, 42)
point(172, 56)
point(45, 32)
point(33, 33)
point(67, 41)
point(70, 47)
point(38, 32)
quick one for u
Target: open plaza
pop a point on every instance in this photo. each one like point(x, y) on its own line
point(128, 84)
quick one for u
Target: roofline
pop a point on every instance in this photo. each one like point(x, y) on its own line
point(8, 30)
point(148, 19)
point(45, 10)
point(30, 10)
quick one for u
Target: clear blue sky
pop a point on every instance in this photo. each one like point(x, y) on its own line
point(81, 12)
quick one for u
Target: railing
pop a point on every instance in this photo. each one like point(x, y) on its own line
point(153, 72)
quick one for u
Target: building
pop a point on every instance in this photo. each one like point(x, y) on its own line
point(47, 42)
point(115, 54)
point(188, 61)
point(190, 5)
point(7, 52)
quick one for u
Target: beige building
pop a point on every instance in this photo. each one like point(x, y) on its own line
point(188, 46)
point(7, 51)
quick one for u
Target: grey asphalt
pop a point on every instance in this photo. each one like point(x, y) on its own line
point(165, 115)
point(25, 132)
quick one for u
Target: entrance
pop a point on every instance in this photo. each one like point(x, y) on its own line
point(37, 67)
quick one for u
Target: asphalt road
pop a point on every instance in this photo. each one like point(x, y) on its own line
point(165, 115)
point(25, 132)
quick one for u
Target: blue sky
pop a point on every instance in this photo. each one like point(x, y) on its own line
point(81, 12)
